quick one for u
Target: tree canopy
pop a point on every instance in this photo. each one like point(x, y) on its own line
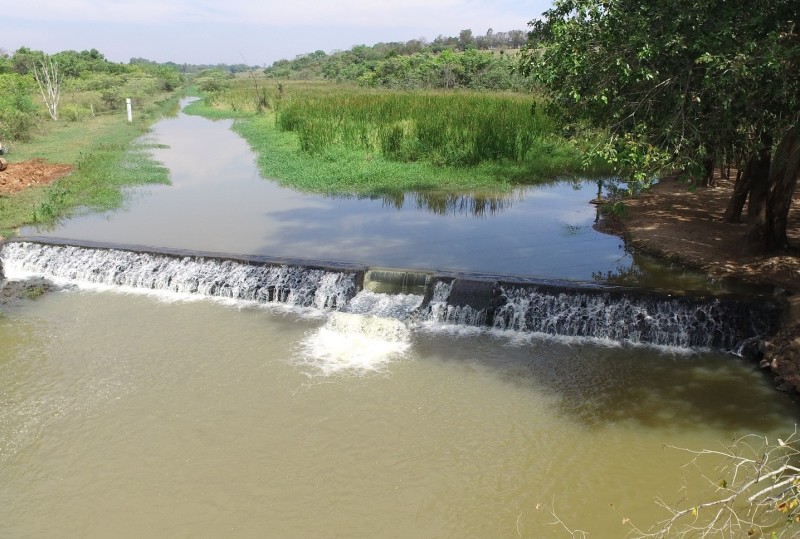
point(676, 84)
point(465, 61)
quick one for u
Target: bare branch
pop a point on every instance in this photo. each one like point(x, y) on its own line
point(49, 80)
point(741, 510)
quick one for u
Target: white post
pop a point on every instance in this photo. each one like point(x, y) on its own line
point(128, 104)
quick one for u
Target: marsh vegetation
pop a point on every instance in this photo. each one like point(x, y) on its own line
point(347, 139)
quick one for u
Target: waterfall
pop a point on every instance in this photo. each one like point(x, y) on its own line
point(205, 276)
point(683, 322)
point(393, 299)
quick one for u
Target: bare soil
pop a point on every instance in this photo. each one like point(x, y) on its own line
point(674, 222)
point(31, 173)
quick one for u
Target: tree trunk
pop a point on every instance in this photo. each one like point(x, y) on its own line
point(708, 165)
point(782, 182)
point(733, 213)
point(759, 181)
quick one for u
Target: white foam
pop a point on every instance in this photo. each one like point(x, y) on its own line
point(355, 343)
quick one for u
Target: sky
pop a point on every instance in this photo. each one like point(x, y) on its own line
point(245, 31)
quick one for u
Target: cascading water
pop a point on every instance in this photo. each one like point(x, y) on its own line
point(377, 302)
point(682, 322)
point(229, 279)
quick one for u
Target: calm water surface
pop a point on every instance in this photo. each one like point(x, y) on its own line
point(149, 415)
point(218, 202)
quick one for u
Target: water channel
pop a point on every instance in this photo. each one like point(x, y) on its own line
point(132, 412)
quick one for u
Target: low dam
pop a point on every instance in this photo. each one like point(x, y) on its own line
point(518, 304)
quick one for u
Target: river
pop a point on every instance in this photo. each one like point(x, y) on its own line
point(132, 412)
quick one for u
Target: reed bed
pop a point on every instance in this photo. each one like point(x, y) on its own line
point(445, 128)
point(346, 140)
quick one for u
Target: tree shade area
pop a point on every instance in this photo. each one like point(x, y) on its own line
point(683, 87)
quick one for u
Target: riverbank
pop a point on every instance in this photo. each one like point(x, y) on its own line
point(74, 166)
point(673, 222)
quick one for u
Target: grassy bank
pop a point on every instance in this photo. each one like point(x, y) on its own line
point(346, 140)
point(107, 154)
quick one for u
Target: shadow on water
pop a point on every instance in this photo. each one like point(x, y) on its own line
point(598, 386)
point(660, 391)
point(468, 204)
point(651, 273)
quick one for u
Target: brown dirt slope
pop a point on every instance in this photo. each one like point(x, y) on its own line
point(686, 226)
point(31, 173)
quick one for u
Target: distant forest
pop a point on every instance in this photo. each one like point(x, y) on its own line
point(467, 61)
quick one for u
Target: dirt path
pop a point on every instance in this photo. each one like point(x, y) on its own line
point(686, 226)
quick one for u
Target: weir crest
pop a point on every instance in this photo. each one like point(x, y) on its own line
point(583, 310)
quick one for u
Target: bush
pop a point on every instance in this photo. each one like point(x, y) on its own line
point(17, 111)
point(71, 112)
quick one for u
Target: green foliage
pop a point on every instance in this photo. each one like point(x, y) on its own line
point(107, 153)
point(34, 291)
point(454, 129)
point(53, 205)
point(91, 85)
point(444, 63)
point(212, 81)
point(674, 83)
point(17, 111)
point(345, 140)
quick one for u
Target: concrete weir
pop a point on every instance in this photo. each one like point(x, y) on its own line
point(508, 303)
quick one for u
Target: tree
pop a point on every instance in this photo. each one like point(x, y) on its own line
point(49, 80)
point(679, 86)
point(465, 39)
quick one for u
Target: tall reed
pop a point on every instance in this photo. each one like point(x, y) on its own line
point(446, 128)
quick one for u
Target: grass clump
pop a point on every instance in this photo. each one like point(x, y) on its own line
point(35, 291)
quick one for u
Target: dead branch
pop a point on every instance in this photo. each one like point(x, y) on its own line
point(49, 80)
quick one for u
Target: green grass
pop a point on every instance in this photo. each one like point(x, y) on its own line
point(107, 153)
point(345, 140)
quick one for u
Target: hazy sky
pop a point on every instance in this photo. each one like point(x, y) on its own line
point(245, 31)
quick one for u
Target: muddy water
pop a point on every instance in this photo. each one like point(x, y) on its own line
point(131, 416)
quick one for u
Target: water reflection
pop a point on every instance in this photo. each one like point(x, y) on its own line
point(217, 201)
point(474, 203)
point(653, 273)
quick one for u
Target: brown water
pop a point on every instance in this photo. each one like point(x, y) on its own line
point(132, 416)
